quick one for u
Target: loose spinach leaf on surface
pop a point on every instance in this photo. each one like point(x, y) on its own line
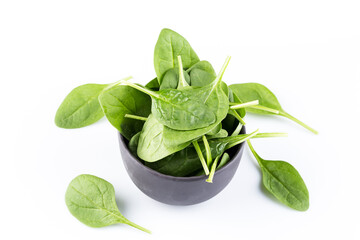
point(168, 46)
point(171, 79)
point(120, 100)
point(201, 74)
point(268, 103)
point(92, 201)
point(284, 182)
point(81, 107)
point(153, 85)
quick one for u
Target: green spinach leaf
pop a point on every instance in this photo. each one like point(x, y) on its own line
point(92, 201)
point(268, 103)
point(168, 46)
point(284, 182)
point(81, 107)
point(201, 74)
point(120, 100)
point(171, 79)
point(153, 85)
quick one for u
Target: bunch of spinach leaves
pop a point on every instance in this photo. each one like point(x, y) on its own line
point(183, 121)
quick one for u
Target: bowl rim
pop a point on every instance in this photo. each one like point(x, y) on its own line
point(183, 179)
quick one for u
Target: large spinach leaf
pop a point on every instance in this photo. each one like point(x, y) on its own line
point(168, 46)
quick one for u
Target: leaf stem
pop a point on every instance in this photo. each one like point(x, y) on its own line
point(201, 156)
point(208, 151)
point(285, 114)
point(243, 105)
point(144, 90)
point(219, 76)
point(258, 158)
point(182, 83)
point(212, 171)
point(116, 83)
point(237, 116)
point(237, 130)
point(128, 222)
point(242, 140)
point(135, 117)
point(274, 134)
point(260, 107)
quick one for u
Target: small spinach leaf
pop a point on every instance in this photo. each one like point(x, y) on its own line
point(268, 103)
point(284, 182)
point(168, 46)
point(81, 107)
point(153, 85)
point(92, 201)
point(201, 74)
point(120, 100)
point(224, 160)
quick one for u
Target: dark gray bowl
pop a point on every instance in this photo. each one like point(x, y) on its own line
point(179, 190)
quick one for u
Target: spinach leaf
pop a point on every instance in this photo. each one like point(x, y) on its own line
point(221, 134)
point(92, 201)
point(168, 46)
point(215, 130)
point(284, 182)
point(153, 85)
point(268, 103)
point(179, 109)
point(180, 164)
point(120, 100)
point(81, 107)
point(133, 143)
point(201, 74)
point(224, 160)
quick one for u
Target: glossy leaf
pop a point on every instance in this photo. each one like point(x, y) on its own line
point(120, 100)
point(168, 46)
point(81, 107)
point(224, 160)
point(284, 182)
point(92, 201)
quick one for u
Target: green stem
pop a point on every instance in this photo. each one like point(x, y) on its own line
point(258, 158)
point(237, 116)
point(141, 89)
point(128, 222)
point(266, 135)
point(135, 117)
point(237, 130)
point(182, 83)
point(243, 105)
point(259, 107)
point(201, 156)
point(212, 171)
point(285, 114)
point(219, 76)
point(242, 140)
point(208, 151)
point(116, 83)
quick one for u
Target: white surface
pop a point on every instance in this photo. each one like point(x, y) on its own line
point(307, 52)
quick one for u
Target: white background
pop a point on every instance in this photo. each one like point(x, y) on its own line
point(307, 52)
